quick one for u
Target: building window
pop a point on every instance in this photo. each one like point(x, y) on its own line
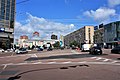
point(89, 35)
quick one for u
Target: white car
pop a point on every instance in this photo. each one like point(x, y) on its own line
point(86, 47)
point(1, 50)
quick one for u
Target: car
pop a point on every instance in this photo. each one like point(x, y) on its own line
point(8, 50)
point(85, 47)
point(49, 49)
point(1, 50)
point(95, 50)
point(21, 51)
point(62, 48)
point(116, 50)
point(40, 49)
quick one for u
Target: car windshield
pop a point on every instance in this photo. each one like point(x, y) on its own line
point(22, 49)
point(97, 47)
point(59, 39)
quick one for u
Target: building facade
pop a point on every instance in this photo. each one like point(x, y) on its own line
point(111, 34)
point(7, 19)
point(99, 36)
point(81, 36)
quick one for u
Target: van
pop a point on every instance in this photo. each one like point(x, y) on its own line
point(86, 47)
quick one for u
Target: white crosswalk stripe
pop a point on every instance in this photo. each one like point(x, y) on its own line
point(104, 59)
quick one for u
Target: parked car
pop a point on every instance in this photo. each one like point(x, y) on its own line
point(86, 47)
point(62, 48)
point(1, 50)
point(21, 51)
point(95, 50)
point(116, 50)
point(40, 49)
point(8, 50)
point(49, 49)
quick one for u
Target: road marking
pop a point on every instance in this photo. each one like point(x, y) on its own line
point(4, 67)
point(106, 60)
point(93, 57)
point(51, 62)
point(82, 62)
point(67, 62)
point(114, 61)
point(33, 55)
point(37, 63)
point(99, 58)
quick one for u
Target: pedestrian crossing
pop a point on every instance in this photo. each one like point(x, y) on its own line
point(69, 61)
point(104, 59)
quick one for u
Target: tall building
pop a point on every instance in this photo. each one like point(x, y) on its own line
point(99, 35)
point(7, 19)
point(81, 36)
point(112, 34)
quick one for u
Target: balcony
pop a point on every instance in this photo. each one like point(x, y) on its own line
point(5, 35)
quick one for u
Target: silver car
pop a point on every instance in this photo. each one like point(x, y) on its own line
point(21, 51)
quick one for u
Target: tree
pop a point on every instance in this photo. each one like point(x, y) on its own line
point(56, 45)
point(74, 43)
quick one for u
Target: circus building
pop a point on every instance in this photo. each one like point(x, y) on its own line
point(35, 40)
point(23, 41)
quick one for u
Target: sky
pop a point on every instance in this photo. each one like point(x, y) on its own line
point(62, 17)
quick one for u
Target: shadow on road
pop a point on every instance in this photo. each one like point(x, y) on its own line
point(72, 56)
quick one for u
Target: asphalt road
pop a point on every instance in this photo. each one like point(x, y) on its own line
point(60, 65)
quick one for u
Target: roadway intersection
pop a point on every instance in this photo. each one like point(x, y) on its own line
point(12, 65)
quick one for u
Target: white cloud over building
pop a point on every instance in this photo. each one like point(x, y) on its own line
point(101, 14)
point(43, 26)
point(113, 3)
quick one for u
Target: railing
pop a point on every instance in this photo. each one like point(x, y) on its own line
point(5, 35)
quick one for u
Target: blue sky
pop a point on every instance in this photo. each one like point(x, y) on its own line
point(62, 16)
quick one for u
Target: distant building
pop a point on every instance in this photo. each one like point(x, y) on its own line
point(24, 41)
point(96, 27)
point(81, 36)
point(7, 19)
point(99, 36)
point(112, 34)
point(61, 40)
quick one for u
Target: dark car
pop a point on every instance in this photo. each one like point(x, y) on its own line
point(40, 49)
point(49, 49)
point(95, 50)
point(116, 50)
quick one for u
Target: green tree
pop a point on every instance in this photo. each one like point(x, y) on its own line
point(56, 45)
point(74, 43)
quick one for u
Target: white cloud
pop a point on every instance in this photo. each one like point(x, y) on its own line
point(113, 3)
point(102, 14)
point(43, 26)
